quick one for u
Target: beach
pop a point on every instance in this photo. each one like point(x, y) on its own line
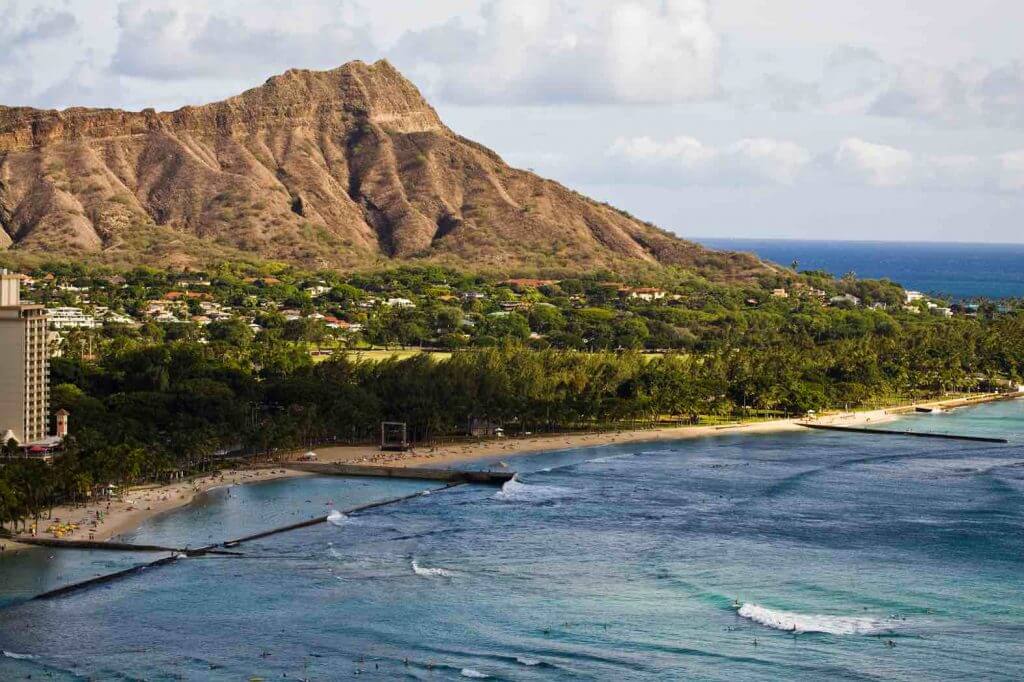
point(106, 519)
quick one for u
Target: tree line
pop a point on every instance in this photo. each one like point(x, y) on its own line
point(147, 408)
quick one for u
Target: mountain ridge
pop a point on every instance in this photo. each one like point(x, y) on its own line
point(346, 168)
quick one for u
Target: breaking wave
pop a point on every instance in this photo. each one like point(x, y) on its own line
point(431, 572)
point(17, 657)
point(336, 518)
point(475, 674)
point(800, 622)
point(529, 662)
point(517, 491)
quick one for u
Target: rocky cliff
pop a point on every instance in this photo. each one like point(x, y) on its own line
point(343, 168)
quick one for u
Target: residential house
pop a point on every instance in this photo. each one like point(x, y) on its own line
point(845, 299)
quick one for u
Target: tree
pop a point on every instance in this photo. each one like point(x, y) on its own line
point(233, 332)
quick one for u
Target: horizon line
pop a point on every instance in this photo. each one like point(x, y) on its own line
point(853, 241)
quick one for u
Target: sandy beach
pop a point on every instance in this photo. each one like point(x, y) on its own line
point(104, 520)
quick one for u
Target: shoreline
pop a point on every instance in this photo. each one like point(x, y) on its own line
point(139, 504)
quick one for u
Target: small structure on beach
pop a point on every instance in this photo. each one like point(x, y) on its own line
point(394, 437)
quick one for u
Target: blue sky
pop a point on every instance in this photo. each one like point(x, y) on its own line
point(731, 118)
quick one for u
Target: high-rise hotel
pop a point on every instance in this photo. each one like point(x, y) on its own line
point(24, 365)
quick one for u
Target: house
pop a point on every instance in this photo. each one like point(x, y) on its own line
point(317, 291)
point(186, 295)
point(914, 296)
point(399, 303)
point(845, 299)
point(780, 293)
point(942, 312)
point(644, 293)
point(112, 317)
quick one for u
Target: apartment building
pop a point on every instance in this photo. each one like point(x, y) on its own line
point(24, 365)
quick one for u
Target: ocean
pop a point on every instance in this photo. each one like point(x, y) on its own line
point(789, 556)
point(958, 271)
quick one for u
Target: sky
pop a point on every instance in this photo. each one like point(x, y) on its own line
point(712, 118)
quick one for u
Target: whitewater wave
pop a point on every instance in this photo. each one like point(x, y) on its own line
point(336, 518)
point(475, 674)
point(17, 657)
point(517, 491)
point(801, 622)
point(529, 662)
point(431, 572)
point(609, 458)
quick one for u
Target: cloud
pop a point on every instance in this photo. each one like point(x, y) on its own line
point(166, 41)
point(877, 165)
point(558, 51)
point(766, 161)
point(686, 159)
point(858, 81)
point(1011, 171)
point(41, 26)
point(27, 37)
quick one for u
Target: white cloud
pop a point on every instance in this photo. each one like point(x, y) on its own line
point(766, 161)
point(167, 40)
point(1011, 171)
point(878, 165)
point(27, 35)
point(686, 159)
point(555, 51)
point(778, 160)
point(858, 81)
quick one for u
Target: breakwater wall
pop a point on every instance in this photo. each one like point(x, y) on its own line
point(416, 473)
point(913, 434)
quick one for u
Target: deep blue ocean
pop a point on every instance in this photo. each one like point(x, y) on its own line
point(959, 271)
point(795, 556)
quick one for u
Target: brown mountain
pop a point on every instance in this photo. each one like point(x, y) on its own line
point(343, 168)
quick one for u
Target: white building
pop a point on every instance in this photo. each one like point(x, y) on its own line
point(914, 296)
point(845, 299)
point(318, 291)
point(70, 318)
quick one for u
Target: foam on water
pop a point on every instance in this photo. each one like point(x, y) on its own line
point(800, 622)
point(18, 657)
point(530, 662)
point(430, 572)
point(336, 518)
point(475, 674)
point(517, 491)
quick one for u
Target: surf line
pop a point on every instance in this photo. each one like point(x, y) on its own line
point(215, 548)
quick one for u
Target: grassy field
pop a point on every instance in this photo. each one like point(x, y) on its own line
point(379, 354)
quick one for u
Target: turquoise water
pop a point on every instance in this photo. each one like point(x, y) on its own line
point(893, 558)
